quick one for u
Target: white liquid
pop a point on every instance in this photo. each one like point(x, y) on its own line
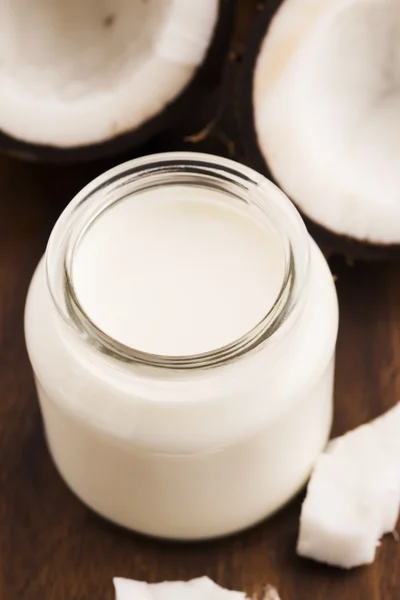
point(177, 275)
point(195, 454)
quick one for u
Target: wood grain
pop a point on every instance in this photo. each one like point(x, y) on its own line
point(52, 547)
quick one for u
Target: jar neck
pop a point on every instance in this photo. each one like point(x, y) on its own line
point(241, 185)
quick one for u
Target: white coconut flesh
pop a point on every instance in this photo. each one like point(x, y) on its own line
point(201, 588)
point(326, 99)
point(353, 497)
point(80, 72)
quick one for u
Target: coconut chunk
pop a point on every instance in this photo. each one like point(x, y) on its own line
point(201, 588)
point(353, 497)
point(338, 526)
point(127, 589)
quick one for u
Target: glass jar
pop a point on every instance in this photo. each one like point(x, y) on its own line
point(185, 447)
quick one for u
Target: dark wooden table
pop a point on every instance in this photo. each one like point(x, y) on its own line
point(52, 547)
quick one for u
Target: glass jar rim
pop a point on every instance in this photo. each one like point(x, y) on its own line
point(189, 168)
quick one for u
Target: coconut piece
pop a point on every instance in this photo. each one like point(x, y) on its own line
point(326, 114)
point(338, 525)
point(78, 75)
point(353, 497)
point(201, 588)
point(127, 589)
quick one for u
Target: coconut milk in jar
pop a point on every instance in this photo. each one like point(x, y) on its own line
point(181, 328)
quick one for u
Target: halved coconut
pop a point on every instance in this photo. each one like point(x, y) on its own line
point(81, 79)
point(322, 86)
